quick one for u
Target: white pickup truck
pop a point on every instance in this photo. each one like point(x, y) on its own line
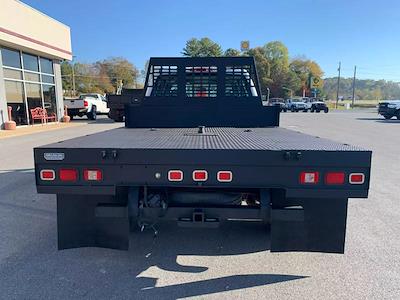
point(87, 104)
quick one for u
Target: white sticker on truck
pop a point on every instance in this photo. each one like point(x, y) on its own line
point(54, 156)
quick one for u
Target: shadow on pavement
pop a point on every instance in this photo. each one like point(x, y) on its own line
point(379, 120)
point(32, 267)
point(101, 119)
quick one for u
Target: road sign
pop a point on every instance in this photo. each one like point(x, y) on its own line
point(244, 45)
point(315, 82)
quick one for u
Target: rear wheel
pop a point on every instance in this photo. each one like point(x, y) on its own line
point(318, 110)
point(92, 115)
point(326, 109)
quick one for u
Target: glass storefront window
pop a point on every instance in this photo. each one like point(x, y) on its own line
point(12, 74)
point(29, 82)
point(15, 98)
point(49, 95)
point(11, 58)
point(30, 62)
point(46, 65)
point(32, 76)
point(33, 96)
point(47, 79)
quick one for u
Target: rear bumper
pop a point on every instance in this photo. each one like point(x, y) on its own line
point(77, 111)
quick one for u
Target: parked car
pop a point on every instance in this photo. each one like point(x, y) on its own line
point(318, 106)
point(296, 104)
point(389, 109)
point(87, 104)
point(278, 102)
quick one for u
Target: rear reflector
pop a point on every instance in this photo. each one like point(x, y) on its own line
point(224, 176)
point(48, 175)
point(334, 178)
point(175, 175)
point(200, 175)
point(92, 175)
point(68, 175)
point(356, 178)
point(309, 177)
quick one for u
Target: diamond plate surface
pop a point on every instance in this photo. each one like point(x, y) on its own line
point(214, 138)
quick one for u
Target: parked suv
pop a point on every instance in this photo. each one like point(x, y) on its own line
point(296, 104)
point(318, 106)
point(389, 109)
point(278, 102)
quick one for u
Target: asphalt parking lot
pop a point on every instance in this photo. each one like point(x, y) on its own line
point(233, 261)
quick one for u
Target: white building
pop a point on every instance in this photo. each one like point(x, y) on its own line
point(32, 46)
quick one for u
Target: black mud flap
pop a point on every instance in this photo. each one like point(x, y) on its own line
point(312, 225)
point(91, 221)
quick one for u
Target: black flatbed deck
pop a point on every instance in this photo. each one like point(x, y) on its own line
point(214, 138)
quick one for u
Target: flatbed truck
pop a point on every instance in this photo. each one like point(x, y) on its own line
point(201, 149)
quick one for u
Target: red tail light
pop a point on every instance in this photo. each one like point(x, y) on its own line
point(200, 175)
point(309, 177)
point(224, 176)
point(47, 175)
point(92, 175)
point(334, 178)
point(68, 175)
point(357, 178)
point(85, 103)
point(175, 175)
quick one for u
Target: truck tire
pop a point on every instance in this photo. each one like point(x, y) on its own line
point(326, 110)
point(318, 110)
point(312, 109)
point(92, 115)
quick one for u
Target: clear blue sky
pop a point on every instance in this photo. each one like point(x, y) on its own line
point(355, 32)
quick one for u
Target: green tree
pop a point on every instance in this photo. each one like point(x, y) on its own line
point(202, 48)
point(263, 68)
point(278, 56)
point(232, 52)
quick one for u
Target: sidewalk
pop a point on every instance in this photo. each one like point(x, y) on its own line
point(24, 130)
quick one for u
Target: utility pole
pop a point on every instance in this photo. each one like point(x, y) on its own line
point(338, 83)
point(73, 75)
point(354, 87)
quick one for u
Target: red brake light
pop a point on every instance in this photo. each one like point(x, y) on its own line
point(356, 178)
point(334, 178)
point(224, 176)
point(309, 177)
point(200, 175)
point(175, 175)
point(85, 103)
point(68, 175)
point(47, 175)
point(92, 175)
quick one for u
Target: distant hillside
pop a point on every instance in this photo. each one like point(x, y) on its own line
point(366, 89)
